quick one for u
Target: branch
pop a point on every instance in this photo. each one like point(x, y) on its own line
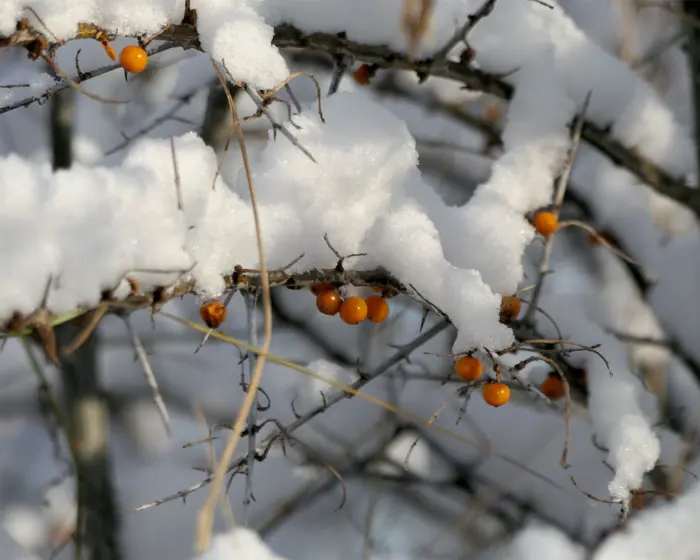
point(329, 401)
point(241, 280)
point(287, 36)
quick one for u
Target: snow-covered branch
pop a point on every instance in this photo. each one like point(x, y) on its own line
point(384, 57)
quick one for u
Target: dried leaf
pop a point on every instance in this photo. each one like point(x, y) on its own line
point(90, 320)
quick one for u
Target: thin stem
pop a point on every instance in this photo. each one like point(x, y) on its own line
point(251, 309)
point(205, 519)
point(148, 372)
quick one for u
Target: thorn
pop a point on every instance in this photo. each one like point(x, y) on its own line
point(423, 319)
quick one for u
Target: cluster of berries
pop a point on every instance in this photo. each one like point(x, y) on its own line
point(352, 310)
point(495, 393)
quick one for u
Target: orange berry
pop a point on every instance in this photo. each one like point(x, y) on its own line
point(546, 223)
point(496, 394)
point(329, 302)
point(133, 59)
point(468, 368)
point(552, 387)
point(363, 75)
point(510, 308)
point(317, 289)
point(377, 309)
point(109, 50)
point(353, 311)
point(213, 314)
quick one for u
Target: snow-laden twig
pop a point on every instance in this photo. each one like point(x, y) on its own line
point(289, 36)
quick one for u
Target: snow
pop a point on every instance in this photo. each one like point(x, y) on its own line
point(542, 543)
point(134, 222)
point(237, 543)
point(107, 217)
point(674, 296)
point(661, 532)
point(614, 402)
point(235, 34)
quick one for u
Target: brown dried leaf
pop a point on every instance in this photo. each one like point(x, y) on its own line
point(90, 320)
point(43, 333)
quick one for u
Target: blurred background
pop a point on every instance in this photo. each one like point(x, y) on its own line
point(342, 487)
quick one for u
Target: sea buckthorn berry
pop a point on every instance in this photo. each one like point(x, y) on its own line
point(377, 309)
point(363, 75)
point(468, 368)
point(133, 59)
point(329, 302)
point(496, 394)
point(353, 310)
point(546, 223)
point(552, 387)
point(109, 50)
point(317, 289)
point(510, 308)
point(213, 314)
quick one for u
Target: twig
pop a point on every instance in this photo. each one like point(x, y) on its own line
point(251, 310)
point(76, 85)
point(558, 201)
point(275, 125)
point(600, 239)
point(148, 372)
point(176, 173)
point(293, 97)
point(302, 420)
point(168, 115)
point(341, 66)
point(287, 36)
point(205, 518)
point(581, 347)
point(269, 93)
point(461, 34)
point(66, 82)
